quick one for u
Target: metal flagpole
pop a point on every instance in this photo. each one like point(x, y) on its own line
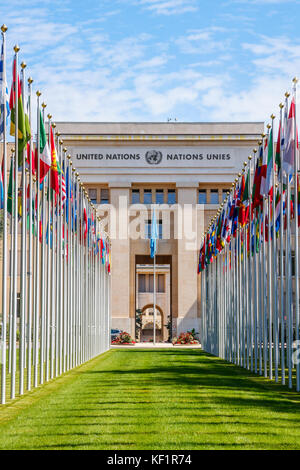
point(15, 233)
point(296, 242)
point(49, 280)
point(5, 219)
point(154, 300)
point(23, 259)
point(282, 326)
point(30, 247)
point(43, 273)
point(37, 253)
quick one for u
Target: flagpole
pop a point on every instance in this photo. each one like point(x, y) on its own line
point(154, 300)
point(5, 241)
point(49, 279)
point(295, 80)
point(15, 230)
point(23, 260)
point(30, 247)
point(282, 336)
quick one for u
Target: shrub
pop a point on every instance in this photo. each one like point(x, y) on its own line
point(185, 338)
point(123, 338)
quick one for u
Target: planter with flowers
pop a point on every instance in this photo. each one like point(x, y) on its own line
point(124, 339)
point(184, 339)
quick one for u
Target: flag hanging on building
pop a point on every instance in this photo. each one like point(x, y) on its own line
point(4, 100)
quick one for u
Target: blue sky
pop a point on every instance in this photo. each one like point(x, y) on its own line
point(150, 60)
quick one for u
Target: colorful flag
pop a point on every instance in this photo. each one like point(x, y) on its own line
point(54, 171)
point(278, 151)
point(288, 153)
point(4, 101)
point(85, 220)
point(244, 206)
point(24, 134)
point(45, 157)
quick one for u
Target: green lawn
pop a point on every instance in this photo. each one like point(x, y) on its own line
point(154, 399)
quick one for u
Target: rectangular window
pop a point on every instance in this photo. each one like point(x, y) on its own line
point(142, 282)
point(93, 195)
point(214, 196)
point(147, 196)
point(135, 196)
point(148, 225)
point(148, 229)
point(159, 196)
point(160, 230)
point(104, 196)
point(202, 196)
point(171, 196)
point(161, 283)
point(151, 283)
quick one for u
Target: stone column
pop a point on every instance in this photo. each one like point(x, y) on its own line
point(120, 285)
point(187, 260)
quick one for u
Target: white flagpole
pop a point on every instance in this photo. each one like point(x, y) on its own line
point(30, 248)
point(15, 232)
point(154, 300)
point(23, 283)
point(296, 164)
point(282, 336)
point(5, 241)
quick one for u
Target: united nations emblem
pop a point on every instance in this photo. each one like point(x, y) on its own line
point(153, 157)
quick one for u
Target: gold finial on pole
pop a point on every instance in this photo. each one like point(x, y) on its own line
point(30, 80)
point(4, 28)
point(38, 93)
point(65, 149)
point(281, 105)
point(272, 117)
point(295, 80)
point(287, 94)
point(69, 157)
point(269, 126)
point(16, 48)
point(263, 135)
point(49, 116)
point(250, 157)
point(23, 65)
point(53, 125)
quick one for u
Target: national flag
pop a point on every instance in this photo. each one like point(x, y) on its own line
point(256, 196)
point(10, 188)
point(53, 171)
point(244, 206)
point(154, 236)
point(264, 168)
point(289, 147)
point(278, 151)
point(277, 211)
point(24, 133)
point(45, 157)
point(4, 101)
point(85, 220)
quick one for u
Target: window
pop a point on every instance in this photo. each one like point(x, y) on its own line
point(202, 196)
point(104, 196)
point(135, 196)
point(93, 195)
point(142, 282)
point(159, 199)
point(161, 283)
point(147, 196)
point(171, 196)
point(148, 224)
point(214, 196)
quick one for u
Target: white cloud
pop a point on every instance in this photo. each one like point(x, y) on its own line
point(168, 7)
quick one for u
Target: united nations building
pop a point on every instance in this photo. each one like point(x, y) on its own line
point(185, 170)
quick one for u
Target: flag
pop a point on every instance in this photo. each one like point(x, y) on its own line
point(278, 149)
point(289, 138)
point(45, 157)
point(54, 171)
point(154, 236)
point(10, 188)
point(244, 206)
point(85, 221)
point(4, 101)
point(256, 196)
point(24, 133)
point(298, 187)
